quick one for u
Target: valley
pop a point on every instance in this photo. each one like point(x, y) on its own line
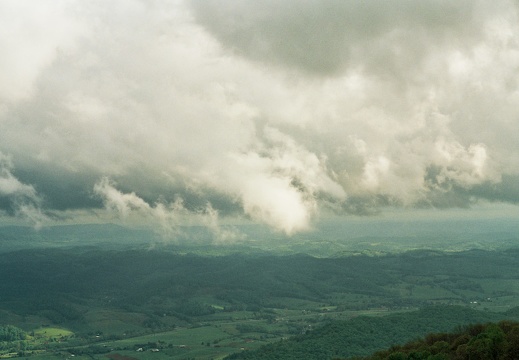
point(180, 302)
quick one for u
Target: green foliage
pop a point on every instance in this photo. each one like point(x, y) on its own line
point(248, 300)
point(364, 335)
point(250, 328)
point(11, 333)
point(53, 283)
point(475, 342)
point(194, 308)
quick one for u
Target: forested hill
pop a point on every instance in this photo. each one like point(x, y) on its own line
point(482, 341)
point(365, 335)
point(156, 282)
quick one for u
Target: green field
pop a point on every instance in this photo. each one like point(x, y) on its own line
point(52, 332)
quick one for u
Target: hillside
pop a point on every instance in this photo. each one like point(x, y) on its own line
point(365, 335)
point(481, 341)
point(214, 306)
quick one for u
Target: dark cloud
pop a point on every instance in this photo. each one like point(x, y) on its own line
point(61, 190)
point(325, 37)
point(507, 190)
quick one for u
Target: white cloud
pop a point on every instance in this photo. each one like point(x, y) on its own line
point(32, 35)
point(273, 108)
point(118, 201)
point(466, 167)
point(166, 217)
point(221, 235)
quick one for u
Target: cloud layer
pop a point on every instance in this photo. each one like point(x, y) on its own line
point(272, 110)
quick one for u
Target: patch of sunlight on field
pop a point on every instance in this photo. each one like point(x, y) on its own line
point(51, 332)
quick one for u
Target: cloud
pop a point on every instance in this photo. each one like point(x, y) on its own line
point(121, 203)
point(272, 111)
point(221, 235)
point(32, 41)
point(22, 199)
point(9, 185)
point(327, 37)
point(278, 182)
point(168, 216)
point(129, 206)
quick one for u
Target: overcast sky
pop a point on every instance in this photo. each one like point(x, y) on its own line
point(279, 112)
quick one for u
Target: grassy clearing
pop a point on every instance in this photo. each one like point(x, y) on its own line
point(52, 332)
point(8, 355)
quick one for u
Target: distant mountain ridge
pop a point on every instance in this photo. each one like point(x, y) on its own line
point(22, 237)
point(330, 239)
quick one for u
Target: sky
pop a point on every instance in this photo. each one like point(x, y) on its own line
point(273, 112)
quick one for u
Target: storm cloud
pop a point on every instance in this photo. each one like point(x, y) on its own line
point(277, 111)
